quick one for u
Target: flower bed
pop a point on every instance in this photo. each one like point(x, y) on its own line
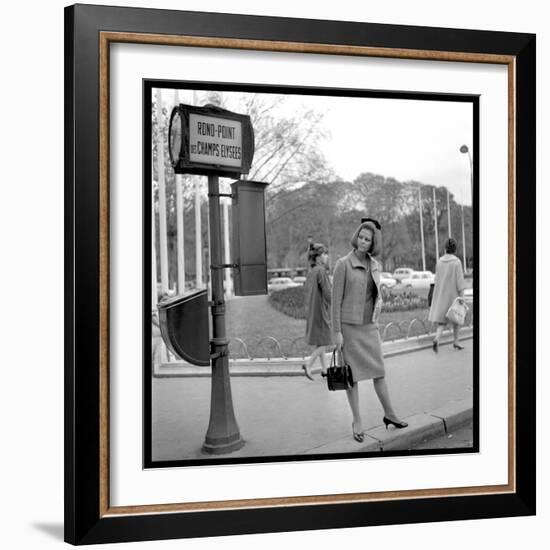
point(406, 301)
point(291, 302)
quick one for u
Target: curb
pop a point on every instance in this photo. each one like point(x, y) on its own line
point(292, 366)
point(421, 427)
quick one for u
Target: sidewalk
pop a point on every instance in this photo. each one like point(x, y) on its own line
point(290, 415)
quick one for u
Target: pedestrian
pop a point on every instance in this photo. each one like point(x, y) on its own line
point(449, 284)
point(318, 291)
point(356, 305)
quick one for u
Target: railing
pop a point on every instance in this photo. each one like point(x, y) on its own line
point(269, 347)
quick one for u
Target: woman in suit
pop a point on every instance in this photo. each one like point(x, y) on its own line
point(317, 299)
point(449, 284)
point(356, 305)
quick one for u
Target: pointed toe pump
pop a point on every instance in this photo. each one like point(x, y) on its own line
point(397, 423)
point(358, 436)
point(307, 373)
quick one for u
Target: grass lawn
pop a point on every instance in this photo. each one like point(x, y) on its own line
point(252, 319)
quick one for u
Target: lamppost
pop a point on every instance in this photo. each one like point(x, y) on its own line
point(449, 215)
point(464, 149)
point(463, 237)
point(436, 228)
point(421, 229)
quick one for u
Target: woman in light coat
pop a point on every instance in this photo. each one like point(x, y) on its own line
point(318, 292)
point(356, 305)
point(449, 284)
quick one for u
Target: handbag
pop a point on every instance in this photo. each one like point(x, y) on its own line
point(339, 375)
point(458, 311)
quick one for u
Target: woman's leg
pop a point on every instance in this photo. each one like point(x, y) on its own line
point(317, 352)
point(323, 360)
point(353, 399)
point(456, 345)
point(456, 328)
point(438, 332)
point(381, 389)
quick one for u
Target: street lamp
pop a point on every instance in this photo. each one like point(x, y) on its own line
point(464, 149)
point(463, 237)
point(436, 228)
point(421, 229)
point(449, 214)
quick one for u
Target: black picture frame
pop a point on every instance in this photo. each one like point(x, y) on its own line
point(88, 32)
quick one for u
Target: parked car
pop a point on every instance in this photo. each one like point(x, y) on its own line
point(419, 280)
point(280, 283)
point(402, 273)
point(386, 280)
point(300, 279)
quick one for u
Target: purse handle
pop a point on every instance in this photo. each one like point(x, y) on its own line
point(337, 359)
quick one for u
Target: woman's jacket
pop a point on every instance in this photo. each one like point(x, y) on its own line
point(349, 290)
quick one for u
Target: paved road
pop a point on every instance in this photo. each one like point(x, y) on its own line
point(292, 415)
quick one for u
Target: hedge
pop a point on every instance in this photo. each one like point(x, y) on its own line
point(291, 302)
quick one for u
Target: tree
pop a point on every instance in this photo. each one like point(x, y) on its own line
point(388, 201)
point(287, 156)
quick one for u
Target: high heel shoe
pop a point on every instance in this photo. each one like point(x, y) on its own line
point(397, 423)
point(306, 372)
point(358, 436)
point(435, 346)
point(457, 346)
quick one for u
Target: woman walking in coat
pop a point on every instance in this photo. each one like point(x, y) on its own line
point(317, 299)
point(356, 305)
point(449, 284)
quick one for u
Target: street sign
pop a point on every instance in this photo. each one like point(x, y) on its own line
point(210, 141)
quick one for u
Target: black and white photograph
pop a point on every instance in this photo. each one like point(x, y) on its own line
point(310, 268)
point(274, 275)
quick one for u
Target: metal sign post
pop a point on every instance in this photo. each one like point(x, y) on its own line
point(214, 142)
point(223, 435)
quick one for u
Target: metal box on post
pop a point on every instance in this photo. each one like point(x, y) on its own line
point(249, 238)
point(184, 327)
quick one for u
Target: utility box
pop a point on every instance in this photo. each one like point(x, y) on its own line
point(184, 327)
point(249, 238)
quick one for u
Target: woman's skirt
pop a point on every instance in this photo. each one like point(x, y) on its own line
point(363, 351)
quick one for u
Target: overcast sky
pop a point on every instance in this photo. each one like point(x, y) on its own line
point(403, 139)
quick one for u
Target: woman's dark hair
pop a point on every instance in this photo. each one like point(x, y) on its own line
point(315, 250)
point(450, 246)
point(375, 247)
